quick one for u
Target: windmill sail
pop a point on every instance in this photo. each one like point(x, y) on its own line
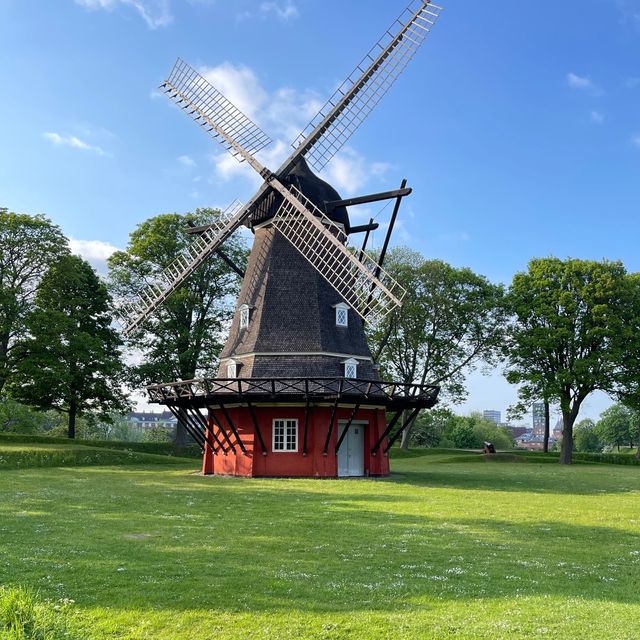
point(371, 292)
point(136, 311)
point(357, 96)
point(217, 115)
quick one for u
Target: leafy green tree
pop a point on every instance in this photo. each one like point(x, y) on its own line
point(71, 360)
point(430, 426)
point(183, 338)
point(586, 438)
point(462, 436)
point(451, 319)
point(28, 246)
point(569, 317)
point(619, 425)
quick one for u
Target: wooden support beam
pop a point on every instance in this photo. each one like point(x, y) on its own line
point(233, 428)
point(206, 430)
point(306, 426)
point(256, 426)
point(346, 428)
point(223, 430)
point(386, 432)
point(330, 430)
point(405, 424)
point(196, 435)
point(374, 197)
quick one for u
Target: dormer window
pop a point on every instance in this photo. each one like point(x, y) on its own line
point(342, 315)
point(351, 368)
point(244, 316)
point(232, 369)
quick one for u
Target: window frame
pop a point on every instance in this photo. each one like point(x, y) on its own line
point(352, 362)
point(245, 316)
point(232, 367)
point(342, 308)
point(285, 425)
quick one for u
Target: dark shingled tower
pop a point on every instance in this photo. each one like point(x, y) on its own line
point(292, 329)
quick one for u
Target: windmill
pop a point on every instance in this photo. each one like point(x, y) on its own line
point(296, 369)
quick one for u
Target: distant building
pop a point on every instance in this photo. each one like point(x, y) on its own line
point(494, 416)
point(537, 413)
point(143, 420)
point(518, 432)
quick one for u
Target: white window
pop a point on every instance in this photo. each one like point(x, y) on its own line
point(244, 316)
point(232, 370)
point(351, 368)
point(285, 435)
point(342, 315)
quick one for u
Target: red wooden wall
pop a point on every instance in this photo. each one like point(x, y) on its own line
point(289, 464)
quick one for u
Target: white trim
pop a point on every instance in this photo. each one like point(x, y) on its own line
point(232, 369)
point(299, 353)
point(349, 364)
point(284, 435)
point(342, 308)
point(245, 313)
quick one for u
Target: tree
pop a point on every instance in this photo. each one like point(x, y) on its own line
point(28, 246)
point(619, 425)
point(71, 359)
point(586, 438)
point(430, 426)
point(450, 320)
point(569, 317)
point(183, 338)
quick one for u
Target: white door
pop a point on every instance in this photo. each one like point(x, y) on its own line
point(351, 452)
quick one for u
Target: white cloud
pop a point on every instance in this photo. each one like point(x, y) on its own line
point(95, 252)
point(239, 84)
point(282, 11)
point(284, 113)
point(597, 117)
point(583, 83)
point(186, 161)
point(156, 13)
point(347, 172)
point(74, 142)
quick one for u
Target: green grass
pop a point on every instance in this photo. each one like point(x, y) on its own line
point(17, 455)
point(445, 549)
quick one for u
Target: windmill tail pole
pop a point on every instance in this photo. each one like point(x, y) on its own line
point(394, 215)
point(365, 241)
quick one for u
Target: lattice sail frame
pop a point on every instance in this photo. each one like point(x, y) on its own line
point(369, 290)
point(135, 312)
point(189, 88)
point(367, 84)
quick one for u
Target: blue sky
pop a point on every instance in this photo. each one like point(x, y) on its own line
point(518, 124)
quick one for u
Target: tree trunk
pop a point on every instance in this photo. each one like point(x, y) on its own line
point(566, 452)
point(406, 434)
point(73, 410)
point(547, 420)
point(182, 439)
point(638, 452)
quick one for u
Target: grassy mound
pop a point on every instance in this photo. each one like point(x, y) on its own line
point(20, 455)
point(157, 448)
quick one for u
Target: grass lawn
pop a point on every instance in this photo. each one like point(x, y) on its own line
point(450, 547)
